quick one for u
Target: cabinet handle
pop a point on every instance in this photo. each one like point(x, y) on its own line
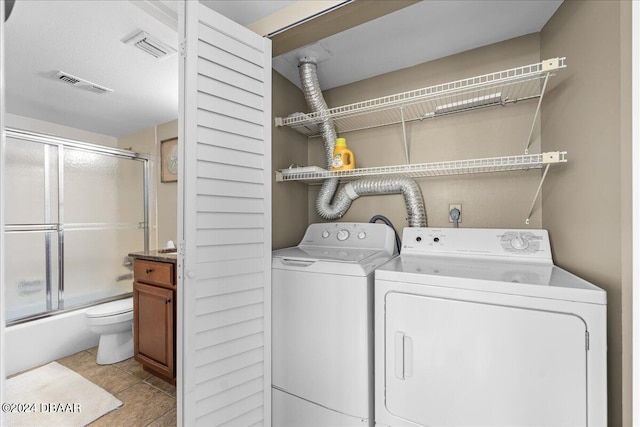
point(149, 270)
point(167, 301)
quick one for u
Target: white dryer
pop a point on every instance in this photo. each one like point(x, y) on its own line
point(322, 325)
point(477, 327)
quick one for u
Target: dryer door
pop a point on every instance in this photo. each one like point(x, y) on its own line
point(460, 363)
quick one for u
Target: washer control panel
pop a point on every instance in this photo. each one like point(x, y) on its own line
point(478, 242)
point(349, 234)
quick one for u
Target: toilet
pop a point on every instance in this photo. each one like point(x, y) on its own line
point(113, 322)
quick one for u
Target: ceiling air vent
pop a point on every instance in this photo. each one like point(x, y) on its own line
point(150, 45)
point(81, 83)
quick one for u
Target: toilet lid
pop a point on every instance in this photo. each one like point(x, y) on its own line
point(111, 308)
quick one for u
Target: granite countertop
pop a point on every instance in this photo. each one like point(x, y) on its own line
point(156, 255)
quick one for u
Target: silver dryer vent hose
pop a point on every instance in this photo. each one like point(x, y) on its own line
point(329, 210)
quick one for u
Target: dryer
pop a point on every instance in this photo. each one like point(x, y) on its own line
point(322, 325)
point(478, 327)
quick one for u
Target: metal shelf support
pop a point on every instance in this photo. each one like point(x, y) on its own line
point(404, 135)
point(533, 202)
point(535, 117)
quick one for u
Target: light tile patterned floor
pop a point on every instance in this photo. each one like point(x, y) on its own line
point(146, 399)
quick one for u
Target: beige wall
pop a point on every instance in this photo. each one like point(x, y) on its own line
point(167, 191)
point(586, 205)
point(289, 216)
point(163, 205)
point(499, 200)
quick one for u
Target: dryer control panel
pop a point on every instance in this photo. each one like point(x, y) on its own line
point(525, 244)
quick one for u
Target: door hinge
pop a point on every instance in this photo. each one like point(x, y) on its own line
point(586, 340)
point(183, 49)
point(181, 248)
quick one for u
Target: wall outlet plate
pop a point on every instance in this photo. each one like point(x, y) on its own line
point(455, 206)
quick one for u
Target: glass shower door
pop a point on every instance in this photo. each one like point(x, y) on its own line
point(31, 258)
point(103, 222)
point(74, 211)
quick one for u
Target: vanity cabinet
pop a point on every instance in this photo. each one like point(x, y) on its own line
point(154, 311)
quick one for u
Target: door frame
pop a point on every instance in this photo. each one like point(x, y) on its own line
point(635, 185)
point(2, 218)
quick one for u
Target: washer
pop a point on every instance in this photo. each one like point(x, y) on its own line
point(322, 325)
point(477, 327)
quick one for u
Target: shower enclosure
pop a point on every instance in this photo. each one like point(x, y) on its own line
point(73, 212)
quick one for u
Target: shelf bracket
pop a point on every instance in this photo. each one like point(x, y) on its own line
point(404, 135)
point(535, 118)
point(533, 203)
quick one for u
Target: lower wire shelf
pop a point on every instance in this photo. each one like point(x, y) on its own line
point(425, 170)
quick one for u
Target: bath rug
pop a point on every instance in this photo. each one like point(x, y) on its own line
point(53, 395)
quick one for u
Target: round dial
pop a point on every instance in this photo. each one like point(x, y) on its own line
point(362, 235)
point(325, 234)
point(519, 243)
point(343, 235)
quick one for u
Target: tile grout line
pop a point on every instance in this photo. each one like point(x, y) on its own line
point(144, 381)
point(159, 389)
point(153, 421)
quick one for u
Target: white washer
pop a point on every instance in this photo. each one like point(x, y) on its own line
point(477, 327)
point(322, 314)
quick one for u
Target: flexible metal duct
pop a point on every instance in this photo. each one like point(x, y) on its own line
point(329, 210)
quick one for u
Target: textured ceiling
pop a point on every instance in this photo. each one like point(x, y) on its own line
point(84, 38)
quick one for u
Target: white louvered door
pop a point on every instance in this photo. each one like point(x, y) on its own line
point(224, 316)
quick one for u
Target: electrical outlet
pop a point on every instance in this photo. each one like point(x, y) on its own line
point(455, 206)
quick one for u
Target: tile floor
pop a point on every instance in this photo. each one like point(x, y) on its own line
point(146, 399)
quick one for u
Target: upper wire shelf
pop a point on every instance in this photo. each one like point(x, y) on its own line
point(424, 170)
point(498, 88)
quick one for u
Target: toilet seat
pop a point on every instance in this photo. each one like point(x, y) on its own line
point(114, 308)
point(110, 320)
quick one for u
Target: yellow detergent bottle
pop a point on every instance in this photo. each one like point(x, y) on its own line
point(342, 156)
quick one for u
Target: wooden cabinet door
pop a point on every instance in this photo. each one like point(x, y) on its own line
point(153, 324)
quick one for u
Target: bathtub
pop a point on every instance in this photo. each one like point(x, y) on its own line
point(42, 341)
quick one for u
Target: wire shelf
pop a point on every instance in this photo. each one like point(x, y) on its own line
point(425, 170)
point(499, 88)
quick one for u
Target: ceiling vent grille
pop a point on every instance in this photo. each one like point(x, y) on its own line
point(150, 45)
point(81, 83)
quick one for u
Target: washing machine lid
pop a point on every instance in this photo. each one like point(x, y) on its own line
point(345, 248)
point(111, 308)
point(346, 255)
point(509, 277)
point(343, 261)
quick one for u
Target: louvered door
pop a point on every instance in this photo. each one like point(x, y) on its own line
point(225, 212)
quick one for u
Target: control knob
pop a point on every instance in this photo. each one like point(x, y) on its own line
point(519, 243)
point(325, 234)
point(362, 235)
point(343, 235)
